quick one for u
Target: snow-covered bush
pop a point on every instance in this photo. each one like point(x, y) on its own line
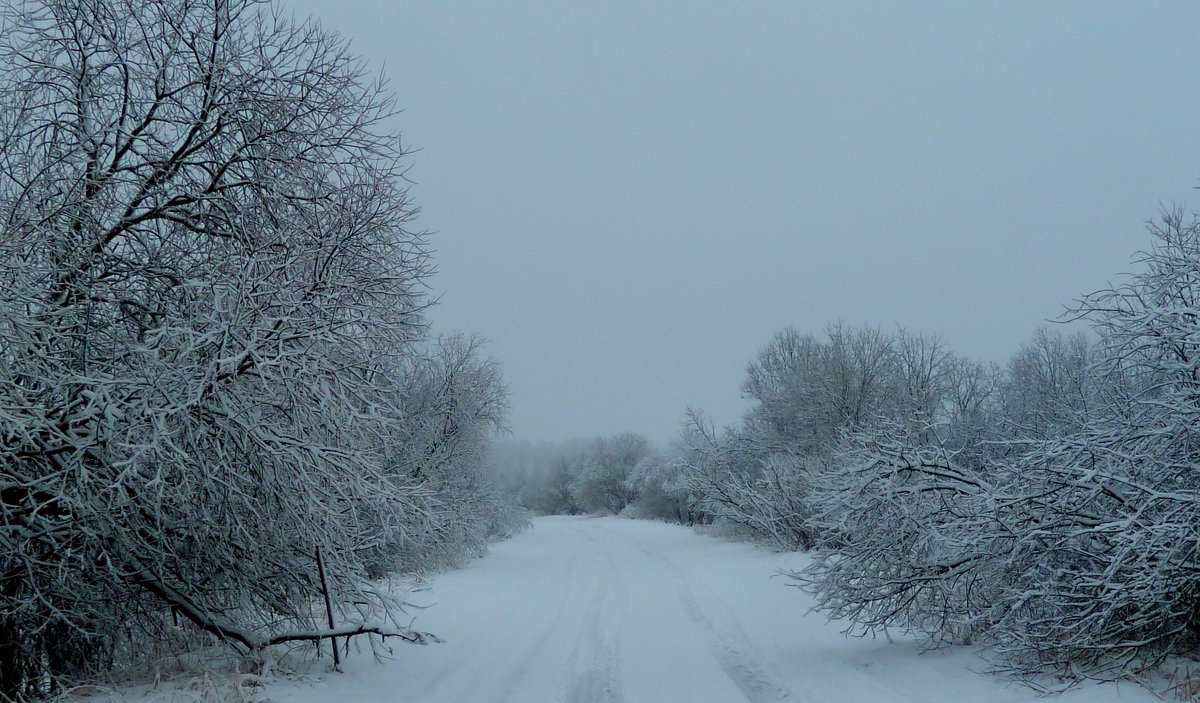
point(808, 395)
point(739, 479)
point(908, 537)
point(1122, 579)
point(1074, 545)
point(451, 401)
point(505, 516)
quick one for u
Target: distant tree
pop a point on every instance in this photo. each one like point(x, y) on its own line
point(601, 475)
point(550, 493)
point(659, 485)
point(808, 391)
point(924, 370)
point(970, 404)
point(1049, 387)
point(861, 374)
point(788, 382)
point(808, 395)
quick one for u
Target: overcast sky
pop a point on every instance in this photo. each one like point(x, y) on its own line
point(629, 198)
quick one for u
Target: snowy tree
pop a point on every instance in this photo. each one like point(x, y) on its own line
point(205, 277)
point(601, 474)
point(549, 492)
point(453, 401)
point(788, 382)
point(1121, 582)
point(809, 393)
point(743, 478)
point(924, 368)
point(970, 405)
point(1074, 548)
point(908, 537)
point(659, 485)
point(860, 373)
point(808, 390)
point(1049, 387)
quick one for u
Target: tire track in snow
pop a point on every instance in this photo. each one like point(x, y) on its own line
point(599, 637)
point(503, 677)
point(741, 660)
point(508, 687)
point(600, 682)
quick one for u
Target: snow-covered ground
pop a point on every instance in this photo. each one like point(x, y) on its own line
point(605, 609)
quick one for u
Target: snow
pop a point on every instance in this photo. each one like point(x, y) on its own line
point(606, 609)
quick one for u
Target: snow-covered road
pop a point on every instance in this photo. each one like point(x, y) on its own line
point(605, 609)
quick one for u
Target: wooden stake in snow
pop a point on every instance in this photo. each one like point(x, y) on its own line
point(337, 659)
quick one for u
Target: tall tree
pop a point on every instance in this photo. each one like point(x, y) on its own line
point(204, 266)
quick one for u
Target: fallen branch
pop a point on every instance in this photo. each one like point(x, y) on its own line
point(253, 642)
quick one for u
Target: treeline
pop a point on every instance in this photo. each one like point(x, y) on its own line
point(622, 474)
point(1047, 506)
point(222, 414)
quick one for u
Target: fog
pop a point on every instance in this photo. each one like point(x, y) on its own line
point(628, 199)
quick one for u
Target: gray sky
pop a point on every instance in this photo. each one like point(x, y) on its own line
point(629, 198)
